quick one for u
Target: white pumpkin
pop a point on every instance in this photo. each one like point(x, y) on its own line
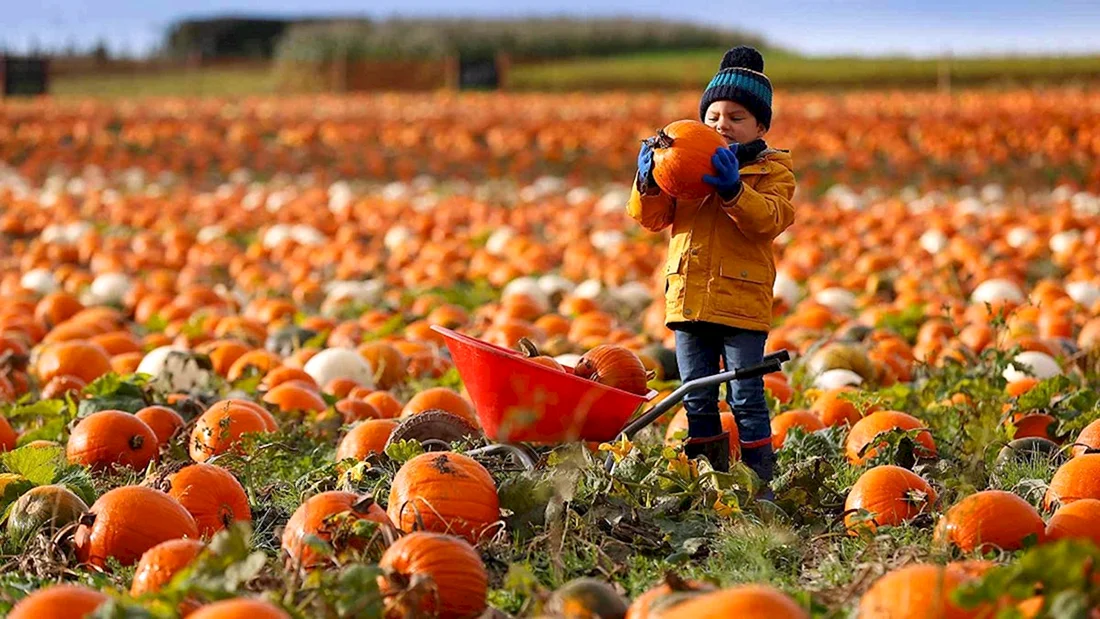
point(553, 284)
point(590, 289)
point(786, 288)
point(933, 241)
point(839, 300)
point(1031, 363)
point(498, 240)
point(174, 370)
point(1020, 236)
point(1065, 241)
point(1083, 293)
point(39, 280)
point(396, 237)
point(529, 287)
point(111, 287)
point(996, 291)
point(568, 360)
point(836, 378)
point(275, 235)
point(340, 363)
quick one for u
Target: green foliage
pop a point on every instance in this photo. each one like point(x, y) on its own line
point(114, 392)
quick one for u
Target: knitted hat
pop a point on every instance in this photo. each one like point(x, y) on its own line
point(741, 79)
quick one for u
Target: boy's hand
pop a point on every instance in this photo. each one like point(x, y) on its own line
point(727, 178)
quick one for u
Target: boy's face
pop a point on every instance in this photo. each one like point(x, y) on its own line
point(734, 122)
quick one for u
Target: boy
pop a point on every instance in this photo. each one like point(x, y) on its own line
point(720, 268)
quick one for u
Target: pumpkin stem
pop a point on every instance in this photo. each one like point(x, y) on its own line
point(663, 140)
point(136, 441)
point(528, 348)
point(87, 519)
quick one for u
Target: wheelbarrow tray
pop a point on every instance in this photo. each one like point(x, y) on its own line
point(518, 400)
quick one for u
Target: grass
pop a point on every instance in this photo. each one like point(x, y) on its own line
point(658, 70)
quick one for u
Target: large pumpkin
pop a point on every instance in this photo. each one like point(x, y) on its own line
point(444, 492)
point(127, 521)
point(1077, 520)
point(671, 592)
point(682, 153)
point(891, 494)
point(110, 437)
point(432, 574)
point(79, 358)
point(916, 592)
point(321, 516)
point(990, 519)
point(58, 601)
point(1077, 479)
point(240, 608)
point(211, 494)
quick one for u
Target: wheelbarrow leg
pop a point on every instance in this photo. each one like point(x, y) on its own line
point(771, 363)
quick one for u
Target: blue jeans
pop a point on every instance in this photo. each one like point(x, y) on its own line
point(699, 347)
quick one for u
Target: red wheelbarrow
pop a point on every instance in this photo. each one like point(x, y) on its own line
point(520, 401)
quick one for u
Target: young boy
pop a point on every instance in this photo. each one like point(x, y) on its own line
point(720, 268)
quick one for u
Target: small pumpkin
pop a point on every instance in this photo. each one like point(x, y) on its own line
point(164, 422)
point(240, 608)
point(211, 494)
point(444, 492)
point(365, 438)
point(1088, 441)
point(110, 437)
point(161, 563)
point(859, 448)
point(587, 597)
point(59, 601)
point(440, 398)
point(432, 574)
point(8, 437)
point(531, 352)
point(79, 358)
point(222, 427)
point(891, 494)
point(682, 153)
point(990, 519)
point(783, 422)
point(322, 516)
point(46, 509)
point(389, 364)
point(127, 521)
point(614, 366)
point(671, 592)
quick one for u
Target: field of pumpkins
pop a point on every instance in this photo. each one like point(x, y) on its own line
point(222, 396)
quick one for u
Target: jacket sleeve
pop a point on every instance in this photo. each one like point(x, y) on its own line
point(764, 211)
point(653, 209)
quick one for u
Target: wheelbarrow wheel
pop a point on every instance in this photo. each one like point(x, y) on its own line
point(435, 430)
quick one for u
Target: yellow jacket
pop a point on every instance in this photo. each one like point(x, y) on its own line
point(720, 265)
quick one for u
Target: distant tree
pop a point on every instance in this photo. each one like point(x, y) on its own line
point(100, 51)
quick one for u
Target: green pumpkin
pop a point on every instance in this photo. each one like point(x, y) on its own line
point(47, 509)
point(584, 598)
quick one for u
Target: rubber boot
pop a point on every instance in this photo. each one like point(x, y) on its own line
point(762, 462)
point(716, 449)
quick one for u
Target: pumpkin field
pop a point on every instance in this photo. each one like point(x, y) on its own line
point(222, 394)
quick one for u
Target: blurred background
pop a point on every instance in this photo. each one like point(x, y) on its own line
point(210, 47)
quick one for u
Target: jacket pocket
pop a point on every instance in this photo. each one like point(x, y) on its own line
point(744, 289)
point(676, 248)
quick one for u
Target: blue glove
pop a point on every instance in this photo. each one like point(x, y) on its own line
point(727, 181)
point(645, 163)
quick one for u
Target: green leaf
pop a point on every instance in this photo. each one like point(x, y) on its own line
point(42, 409)
point(404, 450)
point(1040, 396)
point(38, 464)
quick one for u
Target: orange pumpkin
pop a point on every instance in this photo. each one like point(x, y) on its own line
point(859, 448)
point(109, 437)
point(318, 517)
point(783, 422)
point(1075, 480)
point(990, 519)
point(440, 398)
point(57, 601)
point(454, 581)
point(682, 153)
point(891, 494)
point(916, 591)
point(161, 563)
point(211, 494)
point(222, 427)
point(127, 521)
point(365, 438)
point(164, 422)
point(739, 601)
point(444, 492)
point(239, 608)
point(78, 358)
point(1077, 520)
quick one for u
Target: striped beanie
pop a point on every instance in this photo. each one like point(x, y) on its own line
point(741, 79)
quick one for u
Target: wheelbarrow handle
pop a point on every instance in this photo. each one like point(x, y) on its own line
point(771, 363)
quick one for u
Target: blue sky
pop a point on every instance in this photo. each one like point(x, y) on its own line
point(928, 27)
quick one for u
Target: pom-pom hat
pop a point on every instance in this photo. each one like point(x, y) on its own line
point(741, 79)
